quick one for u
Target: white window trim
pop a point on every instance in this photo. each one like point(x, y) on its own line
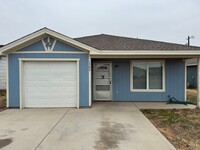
point(21, 73)
point(147, 90)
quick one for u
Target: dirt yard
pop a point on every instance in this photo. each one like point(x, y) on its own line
point(180, 127)
point(2, 100)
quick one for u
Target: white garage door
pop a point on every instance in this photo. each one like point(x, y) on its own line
point(50, 84)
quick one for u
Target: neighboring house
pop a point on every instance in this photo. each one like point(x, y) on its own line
point(2, 72)
point(192, 73)
point(49, 69)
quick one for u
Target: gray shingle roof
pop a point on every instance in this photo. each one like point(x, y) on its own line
point(110, 42)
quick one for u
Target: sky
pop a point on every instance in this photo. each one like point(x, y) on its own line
point(160, 20)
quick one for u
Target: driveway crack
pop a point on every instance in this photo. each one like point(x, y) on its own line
point(51, 129)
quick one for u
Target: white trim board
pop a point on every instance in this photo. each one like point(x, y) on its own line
point(141, 56)
point(146, 52)
point(90, 80)
point(48, 52)
point(21, 78)
point(7, 81)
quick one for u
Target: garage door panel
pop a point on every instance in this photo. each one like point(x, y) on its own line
point(49, 96)
point(58, 72)
point(42, 104)
point(50, 84)
point(55, 89)
point(48, 77)
point(53, 69)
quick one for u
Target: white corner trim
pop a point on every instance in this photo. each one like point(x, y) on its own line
point(7, 81)
point(90, 80)
point(21, 84)
point(185, 84)
point(21, 77)
point(78, 83)
point(147, 90)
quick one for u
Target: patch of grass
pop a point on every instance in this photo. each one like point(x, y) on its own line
point(2, 99)
point(181, 127)
point(192, 96)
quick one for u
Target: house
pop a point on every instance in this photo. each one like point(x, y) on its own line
point(3, 72)
point(191, 73)
point(49, 69)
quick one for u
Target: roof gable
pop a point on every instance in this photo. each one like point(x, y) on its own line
point(40, 34)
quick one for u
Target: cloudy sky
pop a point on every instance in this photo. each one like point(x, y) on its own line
point(162, 20)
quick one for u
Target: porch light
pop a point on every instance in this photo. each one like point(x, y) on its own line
point(116, 67)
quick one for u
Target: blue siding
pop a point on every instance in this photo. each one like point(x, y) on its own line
point(37, 46)
point(60, 46)
point(174, 75)
point(14, 75)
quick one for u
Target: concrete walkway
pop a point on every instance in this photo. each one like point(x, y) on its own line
point(105, 126)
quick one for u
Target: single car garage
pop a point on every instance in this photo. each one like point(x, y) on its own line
point(47, 69)
point(49, 83)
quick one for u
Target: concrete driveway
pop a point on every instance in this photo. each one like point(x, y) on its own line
point(105, 126)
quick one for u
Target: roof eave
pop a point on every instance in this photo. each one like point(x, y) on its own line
point(147, 52)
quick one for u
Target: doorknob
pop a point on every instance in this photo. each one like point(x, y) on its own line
point(110, 82)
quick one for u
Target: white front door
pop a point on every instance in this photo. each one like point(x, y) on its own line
point(50, 84)
point(102, 81)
